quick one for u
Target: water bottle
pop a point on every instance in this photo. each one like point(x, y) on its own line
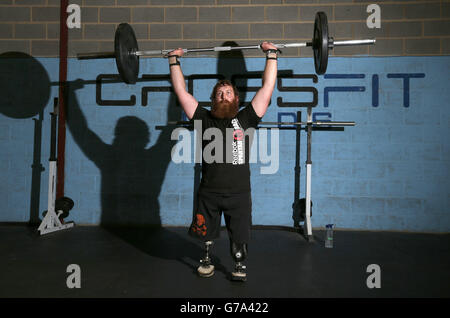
point(329, 236)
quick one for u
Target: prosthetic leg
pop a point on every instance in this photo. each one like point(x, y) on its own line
point(206, 269)
point(239, 253)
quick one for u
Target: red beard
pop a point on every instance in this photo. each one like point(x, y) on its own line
point(225, 109)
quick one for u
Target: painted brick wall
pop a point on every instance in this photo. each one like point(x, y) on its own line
point(407, 27)
point(390, 172)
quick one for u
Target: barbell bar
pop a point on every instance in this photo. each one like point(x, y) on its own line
point(99, 55)
point(281, 123)
point(126, 52)
point(230, 48)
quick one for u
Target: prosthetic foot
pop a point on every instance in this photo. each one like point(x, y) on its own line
point(239, 273)
point(239, 253)
point(206, 269)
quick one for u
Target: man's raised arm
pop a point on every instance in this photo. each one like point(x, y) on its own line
point(187, 101)
point(262, 97)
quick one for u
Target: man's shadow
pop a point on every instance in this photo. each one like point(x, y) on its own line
point(131, 180)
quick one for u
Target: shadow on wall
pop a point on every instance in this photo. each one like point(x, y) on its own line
point(131, 180)
point(131, 174)
point(25, 86)
point(231, 64)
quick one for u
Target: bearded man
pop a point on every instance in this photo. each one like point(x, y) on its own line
point(225, 184)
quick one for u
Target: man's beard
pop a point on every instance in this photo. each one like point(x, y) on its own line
point(225, 109)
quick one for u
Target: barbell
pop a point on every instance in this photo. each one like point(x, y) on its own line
point(126, 51)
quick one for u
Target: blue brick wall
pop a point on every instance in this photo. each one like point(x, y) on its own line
point(389, 172)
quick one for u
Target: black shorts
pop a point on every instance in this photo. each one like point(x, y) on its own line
point(237, 210)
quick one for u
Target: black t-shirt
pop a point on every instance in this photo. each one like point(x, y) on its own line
point(231, 174)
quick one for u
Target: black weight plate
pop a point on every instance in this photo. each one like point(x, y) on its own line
point(299, 210)
point(320, 43)
point(24, 84)
point(124, 44)
point(64, 204)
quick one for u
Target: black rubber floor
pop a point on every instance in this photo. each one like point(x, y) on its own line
point(162, 263)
